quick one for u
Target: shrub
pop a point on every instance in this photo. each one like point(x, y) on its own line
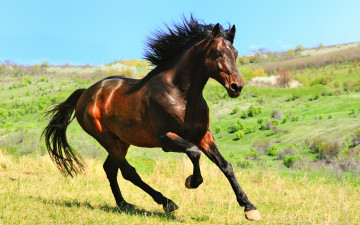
point(323, 80)
point(328, 150)
point(253, 154)
point(287, 151)
point(262, 144)
point(275, 122)
point(337, 84)
point(356, 138)
point(243, 163)
point(284, 120)
point(242, 60)
point(289, 161)
point(234, 127)
point(253, 111)
point(314, 143)
point(260, 121)
point(268, 125)
point(273, 151)
point(292, 98)
point(239, 135)
point(277, 114)
point(246, 72)
point(284, 78)
point(250, 129)
point(295, 118)
point(244, 115)
point(235, 110)
point(323, 148)
point(260, 72)
point(217, 129)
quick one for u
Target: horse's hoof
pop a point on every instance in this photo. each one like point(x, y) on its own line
point(188, 182)
point(252, 215)
point(124, 206)
point(170, 207)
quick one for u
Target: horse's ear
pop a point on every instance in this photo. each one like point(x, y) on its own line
point(216, 31)
point(232, 34)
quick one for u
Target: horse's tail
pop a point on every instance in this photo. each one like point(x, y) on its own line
point(64, 157)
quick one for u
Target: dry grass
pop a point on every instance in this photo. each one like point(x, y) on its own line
point(33, 192)
point(347, 55)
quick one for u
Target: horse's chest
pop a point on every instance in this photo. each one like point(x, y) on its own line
point(196, 122)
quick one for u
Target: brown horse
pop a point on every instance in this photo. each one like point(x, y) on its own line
point(164, 109)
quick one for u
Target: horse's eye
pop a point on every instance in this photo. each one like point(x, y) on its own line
point(217, 54)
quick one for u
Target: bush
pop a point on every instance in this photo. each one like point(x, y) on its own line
point(217, 129)
point(259, 72)
point(292, 98)
point(289, 161)
point(275, 122)
point(277, 114)
point(324, 149)
point(268, 125)
point(356, 138)
point(287, 151)
point(239, 135)
point(234, 127)
point(247, 73)
point(250, 129)
point(253, 154)
point(262, 144)
point(295, 118)
point(260, 121)
point(284, 78)
point(328, 150)
point(323, 80)
point(273, 151)
point(251, 112)
point(243, 163)
point(242, 60)
point(314, 143)
point(234, 110)
point(285, 120)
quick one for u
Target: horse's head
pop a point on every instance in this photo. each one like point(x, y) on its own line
point(221, 60)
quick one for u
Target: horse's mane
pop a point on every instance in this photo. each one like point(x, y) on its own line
point(166, 46)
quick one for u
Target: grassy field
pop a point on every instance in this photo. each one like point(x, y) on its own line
point(288, 177)
point(33, 192)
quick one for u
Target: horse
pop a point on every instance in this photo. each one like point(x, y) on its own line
point(164, 109)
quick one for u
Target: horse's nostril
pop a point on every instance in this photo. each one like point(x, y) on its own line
point(234, 87)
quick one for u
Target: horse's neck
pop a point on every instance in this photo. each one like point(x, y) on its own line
point(190, 78)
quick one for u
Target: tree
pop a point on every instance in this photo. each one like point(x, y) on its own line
point(259, 72)
point(299, 48)
point(291, 52)
point(254, 59)
point(45, 65)
point(242, 60)
point(284, 78)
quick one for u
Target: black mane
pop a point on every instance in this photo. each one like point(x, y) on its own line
point(166, 46)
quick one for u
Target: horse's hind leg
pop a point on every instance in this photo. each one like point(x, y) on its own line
point(117, 150)
point(111, 170)
point(129, 173)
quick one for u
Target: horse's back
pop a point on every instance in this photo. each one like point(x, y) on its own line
point(105, 106)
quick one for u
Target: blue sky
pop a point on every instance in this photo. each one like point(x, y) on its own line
point(99, 32)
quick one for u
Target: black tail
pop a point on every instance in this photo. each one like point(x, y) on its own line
point(65, 159)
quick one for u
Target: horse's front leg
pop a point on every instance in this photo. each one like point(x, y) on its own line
point(209, 148)
point(171, 142)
